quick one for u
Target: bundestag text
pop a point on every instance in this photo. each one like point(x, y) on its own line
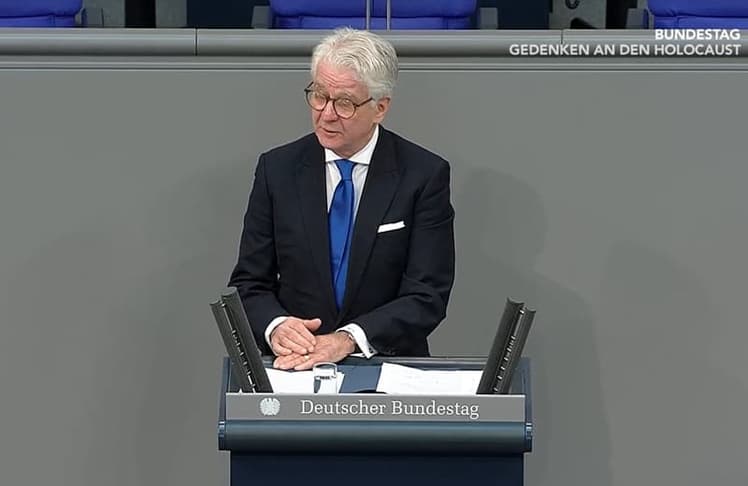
point(394, 407)
point(697, 34)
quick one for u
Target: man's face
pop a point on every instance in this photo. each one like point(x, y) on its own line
point(345, 137)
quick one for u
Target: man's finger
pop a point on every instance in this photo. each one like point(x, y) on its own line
point(289, 342)
point(284, 362)
point(278, 349)
point(297, 326)
point(288, 362)
point(301, 339)
point(309, 361)
point(275, 343)
point(312, 324)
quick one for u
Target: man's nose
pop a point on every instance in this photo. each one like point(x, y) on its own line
point(328, 112)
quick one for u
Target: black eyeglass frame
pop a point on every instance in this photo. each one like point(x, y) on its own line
point(308, 91)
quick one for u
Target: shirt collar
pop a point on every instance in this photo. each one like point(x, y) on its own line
point(363, 156)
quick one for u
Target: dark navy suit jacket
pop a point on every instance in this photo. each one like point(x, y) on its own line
point(398, 281)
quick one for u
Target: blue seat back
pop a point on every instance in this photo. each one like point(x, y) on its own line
point(39, 13)
point(406, 14)
point(699, 14)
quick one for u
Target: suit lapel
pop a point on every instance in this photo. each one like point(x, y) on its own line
point(380, 187)
point(310, 186)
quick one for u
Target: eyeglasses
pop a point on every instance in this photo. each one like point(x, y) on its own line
point(343, 107)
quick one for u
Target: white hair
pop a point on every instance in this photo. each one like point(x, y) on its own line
point(371, 57)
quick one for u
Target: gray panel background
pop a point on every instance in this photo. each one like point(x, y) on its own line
point(612, 200)
point(114, 11)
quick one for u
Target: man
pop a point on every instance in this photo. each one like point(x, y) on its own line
point(348, 241)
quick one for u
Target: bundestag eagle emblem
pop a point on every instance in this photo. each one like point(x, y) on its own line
point(270, 406)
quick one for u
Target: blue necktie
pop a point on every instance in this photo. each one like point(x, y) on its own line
point(340, 221)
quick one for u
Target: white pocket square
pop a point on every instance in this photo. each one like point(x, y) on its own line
point(383, 228)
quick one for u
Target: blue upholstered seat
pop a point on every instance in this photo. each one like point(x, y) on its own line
point(699, 14)
point(39, 13)
point(406, 14)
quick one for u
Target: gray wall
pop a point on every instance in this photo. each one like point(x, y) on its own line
point(171, 13)
point(122, 187)
point(113, 10)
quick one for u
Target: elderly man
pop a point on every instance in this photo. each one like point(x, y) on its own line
point(348, 240)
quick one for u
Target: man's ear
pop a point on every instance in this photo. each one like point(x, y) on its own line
point(382, 107)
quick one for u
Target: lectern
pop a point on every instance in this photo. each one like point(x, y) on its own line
point(362, 439)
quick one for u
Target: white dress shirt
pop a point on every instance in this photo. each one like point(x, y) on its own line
point(362, 158)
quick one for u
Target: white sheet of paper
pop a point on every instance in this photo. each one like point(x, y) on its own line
point(295, 382)
point(404, 380)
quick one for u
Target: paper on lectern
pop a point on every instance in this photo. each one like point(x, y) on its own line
point(404, 380)
point(295, 382)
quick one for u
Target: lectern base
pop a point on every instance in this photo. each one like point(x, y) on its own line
point(325, 470)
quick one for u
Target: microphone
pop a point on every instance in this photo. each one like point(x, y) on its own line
point(506, 349)
point(246, 361)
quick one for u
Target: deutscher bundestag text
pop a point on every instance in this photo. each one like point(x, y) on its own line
point(396, 407)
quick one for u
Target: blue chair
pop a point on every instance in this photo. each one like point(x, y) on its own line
point(405, 14)
point(699, 14)
point(39, 13)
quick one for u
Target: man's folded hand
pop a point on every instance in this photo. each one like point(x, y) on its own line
point(294, 336)
point(328, 348)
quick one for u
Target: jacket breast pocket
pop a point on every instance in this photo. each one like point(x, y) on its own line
point(391, 245)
